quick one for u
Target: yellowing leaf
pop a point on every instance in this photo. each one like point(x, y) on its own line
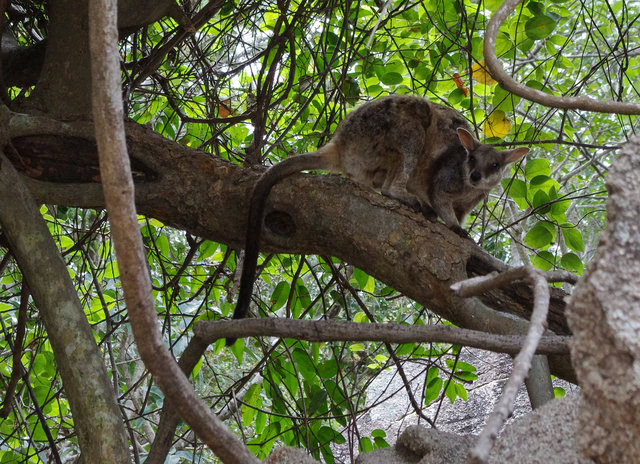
point(224, 109)
point(480, 74)
point(496, 125)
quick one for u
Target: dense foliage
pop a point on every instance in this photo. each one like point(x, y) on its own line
point(261, 81)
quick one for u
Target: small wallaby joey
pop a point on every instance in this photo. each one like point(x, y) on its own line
point(420, 153)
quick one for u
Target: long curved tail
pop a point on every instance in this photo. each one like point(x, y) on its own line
point(325, 158)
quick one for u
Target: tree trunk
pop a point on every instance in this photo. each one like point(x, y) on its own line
point(604, 314)
point(96, 416)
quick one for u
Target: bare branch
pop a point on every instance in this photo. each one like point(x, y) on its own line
point(522, 363)
point(509, 84)
point(119, 197)
point(325, 331)
point(478, 285)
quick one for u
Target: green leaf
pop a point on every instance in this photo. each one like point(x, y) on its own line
point(44, 364)
point(268, 434)
point(540, 198)
point(539, 27)
point(289, 379)
point(539, 236)
point(517, 190)
point(461, 391)
point(504, 100)
point(318, 402)
point(334, 391)
point(162, 242)
point(207, 249)
point(238, 349)
point(227, 8)
point(361, 277)
point(492, 5)
point(572, 262)
point(351, 89)
point(450, 392)
point(465, 371)
point(111, 270)
point(558, 208)
point(360, 317)
point(250, 402)
point(543, 260)
point(535, 8)
point(434, 386)
point(572, 237)
point(11, 457)
point(40, 435)
point(280, 295)
point(537, 167)
point(328, 369)
point(356, 347)
point(541, 181)
point(391, 78)
point(327, 435)
point(304, 364)
point(380, 443)
point(42, 393)
point(302, 298)
point(365, 445)
point(260, 422)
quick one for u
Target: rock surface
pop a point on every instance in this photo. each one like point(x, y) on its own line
point(545, 436)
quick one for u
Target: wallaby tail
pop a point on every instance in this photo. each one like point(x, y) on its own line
point(324, 158)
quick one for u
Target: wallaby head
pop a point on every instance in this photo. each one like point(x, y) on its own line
point(485, 164)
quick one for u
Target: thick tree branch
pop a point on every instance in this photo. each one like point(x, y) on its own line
point(325, 215)
point(509, 84)
point(119, 197)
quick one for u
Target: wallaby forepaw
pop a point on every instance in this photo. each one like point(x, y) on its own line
point(460, 231)
point(429, 213)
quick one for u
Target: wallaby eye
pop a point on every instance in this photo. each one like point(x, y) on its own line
point(472, 159)
point(495, 166)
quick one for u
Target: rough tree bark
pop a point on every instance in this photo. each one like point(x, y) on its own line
point(605, 317)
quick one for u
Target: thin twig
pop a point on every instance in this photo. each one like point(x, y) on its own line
point(17, 370)
point(478, 285)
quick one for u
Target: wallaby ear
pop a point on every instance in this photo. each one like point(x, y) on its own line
point(516, 154)
point(467, 139)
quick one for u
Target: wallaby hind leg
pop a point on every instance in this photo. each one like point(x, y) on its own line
point(395, 185)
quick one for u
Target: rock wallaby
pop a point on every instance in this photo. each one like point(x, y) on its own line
point(420, 153)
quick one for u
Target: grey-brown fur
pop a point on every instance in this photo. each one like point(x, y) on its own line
point(408, 148)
